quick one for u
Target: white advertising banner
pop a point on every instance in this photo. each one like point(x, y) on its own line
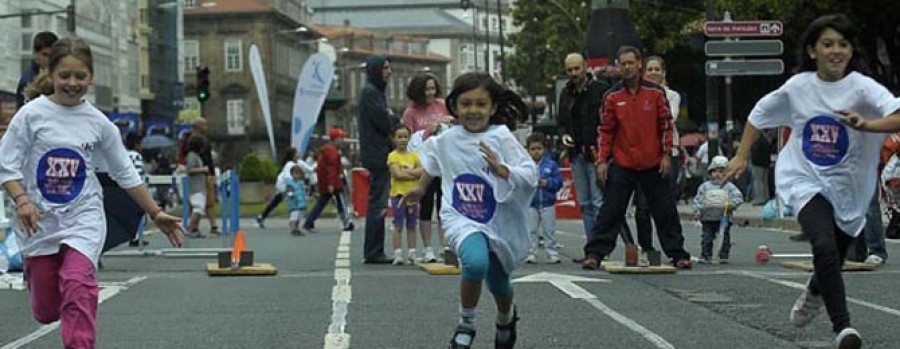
point(312, 88)
point(259, 78)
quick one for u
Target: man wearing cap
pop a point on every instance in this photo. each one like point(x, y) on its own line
point(328, 170)
point(375, 122)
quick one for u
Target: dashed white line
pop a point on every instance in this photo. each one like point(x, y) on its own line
point(341, 294)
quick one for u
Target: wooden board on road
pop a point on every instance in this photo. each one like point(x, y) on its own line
point(261, 269)
point(614, 267)
point(848, 266)
point(439, 269)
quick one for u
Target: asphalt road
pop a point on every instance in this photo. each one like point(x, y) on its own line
point(155, 302)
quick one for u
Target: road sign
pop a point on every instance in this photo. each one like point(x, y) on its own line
point(744, 28)
point(744, 48)
point(744, 68)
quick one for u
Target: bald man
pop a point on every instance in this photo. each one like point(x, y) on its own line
point(579, 116)
point(200, 129)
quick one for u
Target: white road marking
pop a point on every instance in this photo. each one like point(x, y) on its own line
point(341, 294)
point(107, 291)
point(654, 338)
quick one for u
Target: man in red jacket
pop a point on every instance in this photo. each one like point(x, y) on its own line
point(328, 171)
point(635, 138)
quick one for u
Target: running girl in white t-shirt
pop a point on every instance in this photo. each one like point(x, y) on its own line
point(485, 197)
point(47, 161)
point(840, 119)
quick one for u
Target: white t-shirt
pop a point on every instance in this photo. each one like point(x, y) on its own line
point(475, 199)
point(824, 156)
point(285, 174)
point(55, 162)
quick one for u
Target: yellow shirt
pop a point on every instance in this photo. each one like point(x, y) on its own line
point(405, 160)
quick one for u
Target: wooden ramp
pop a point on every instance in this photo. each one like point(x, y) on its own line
point(261, 269)
point(848, 266)
point(439, 269)
point(614, 267)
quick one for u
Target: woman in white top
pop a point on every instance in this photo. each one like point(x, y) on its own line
point(840, 119)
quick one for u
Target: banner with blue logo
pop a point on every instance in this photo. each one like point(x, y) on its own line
point(312, 89)
point(183, 129)
point(127, 122)
point(158, 127)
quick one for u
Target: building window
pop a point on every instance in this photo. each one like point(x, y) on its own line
point(190, 3)
point(233, 59)
point(484, 23)
point(495, 25)
point(26, 41)
point(191, 55)
point(465, 55)
point(235, 117)
point(26, 21)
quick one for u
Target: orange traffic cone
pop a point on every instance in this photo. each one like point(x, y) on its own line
point(240, 245)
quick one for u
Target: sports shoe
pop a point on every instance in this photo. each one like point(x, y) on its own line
point(349, 227)
point(643, 261)
point(463, 336)
point(429, 256)
point(590, 263)
point(411, 258)
point(704, 260)
point(398, 258)
point(684, 264)
point(509, 340)
point(531, 259)
point(554, 260)
point(848, 338)
point(806, 307)
point(260, 222)
point(874, 260)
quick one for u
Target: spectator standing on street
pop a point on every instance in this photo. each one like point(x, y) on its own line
point(541, 217)
point(426, 113)
point(40, 45)
point(208, 161)
point(60, 212)
point(296, 197)
point(331, 185)
point(487, 196)
point(405, 171)
point(715, 204)
point(197, 173)
point(579, 111)
point(839, 117)
point(760, 161)
point(635, 146)
point(375, 123)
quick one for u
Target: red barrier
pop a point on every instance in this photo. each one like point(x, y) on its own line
point(566, 199)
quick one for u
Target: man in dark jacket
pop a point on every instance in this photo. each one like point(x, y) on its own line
point(579, 116)
point(635, 141)
point(41, 45)
point(375, 123)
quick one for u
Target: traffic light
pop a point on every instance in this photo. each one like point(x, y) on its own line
point(202, 84)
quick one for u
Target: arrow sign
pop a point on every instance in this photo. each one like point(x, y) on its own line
point(565, 283)
point(743, 28)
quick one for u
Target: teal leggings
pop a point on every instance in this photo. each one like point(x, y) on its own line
point(478, 263)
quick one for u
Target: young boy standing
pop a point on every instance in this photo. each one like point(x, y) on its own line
point(715, 203)
point(541, 217)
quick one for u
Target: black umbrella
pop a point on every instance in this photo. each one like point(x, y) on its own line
point(157, 142)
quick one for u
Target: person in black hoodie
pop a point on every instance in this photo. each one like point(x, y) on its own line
point(579, 116)
point(375, 123)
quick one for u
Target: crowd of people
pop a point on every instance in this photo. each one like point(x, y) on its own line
point(496, 210)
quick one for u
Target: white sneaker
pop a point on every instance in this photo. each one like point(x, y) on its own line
point(806, 307)
point(848, 338)
point(398, 257)
point(874, 260)
point(643, 261)
point(531, 259)
point(411, 258)
point(429, 255)
point(553, 260)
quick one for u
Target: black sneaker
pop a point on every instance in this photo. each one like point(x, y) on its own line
point(509, 341)
point(463, 336)
point(260, 222)
point(349, 227)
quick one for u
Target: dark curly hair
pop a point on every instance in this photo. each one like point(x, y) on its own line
point(509, 106)
point(416, 89)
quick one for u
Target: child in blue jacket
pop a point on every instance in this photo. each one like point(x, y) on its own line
point(541, 217)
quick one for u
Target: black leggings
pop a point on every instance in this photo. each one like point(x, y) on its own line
point(431, 199)
point(272, 205)
point(829, 248)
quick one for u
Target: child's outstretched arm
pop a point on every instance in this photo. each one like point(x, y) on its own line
point(169, 225)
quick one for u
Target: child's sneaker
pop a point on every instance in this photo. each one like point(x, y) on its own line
point(463, 336)
point(411, 258)
point(643, 261)
point(296, 232)
point(806, 307)
point(704, 260)
point(260, 222)
point(349, 227)
point(398, 257)
point(429, 255)
point(506, 334)
point(848, 338)
point(554, 260)
point(531, 259)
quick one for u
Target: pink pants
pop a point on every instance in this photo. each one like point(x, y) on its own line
point(63, 287)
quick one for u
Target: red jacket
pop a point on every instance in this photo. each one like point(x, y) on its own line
point(328, 168)
point(635, 129)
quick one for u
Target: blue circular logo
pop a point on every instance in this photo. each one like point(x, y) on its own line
point(474, 198)
point(825, 141)
point(61, 175)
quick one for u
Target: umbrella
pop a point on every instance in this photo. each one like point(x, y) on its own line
point(692, 140)
point(157, 142)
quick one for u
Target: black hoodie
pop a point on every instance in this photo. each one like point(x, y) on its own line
point(375, 119)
